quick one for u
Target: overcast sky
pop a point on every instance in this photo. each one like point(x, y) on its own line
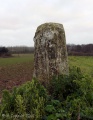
point(20, 18)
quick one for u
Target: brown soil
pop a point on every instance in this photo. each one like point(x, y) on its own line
point(15, 75)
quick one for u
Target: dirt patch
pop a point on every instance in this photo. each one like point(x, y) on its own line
point(15, 75)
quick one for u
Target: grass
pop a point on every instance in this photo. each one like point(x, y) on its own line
point(84, 62)
point(16, 59)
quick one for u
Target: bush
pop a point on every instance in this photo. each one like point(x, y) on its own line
point(67, 97)
point(75, 92)
point(63, 85)
point(4, 52)
point(24, 103)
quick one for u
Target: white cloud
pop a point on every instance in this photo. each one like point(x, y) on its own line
point(20, 18)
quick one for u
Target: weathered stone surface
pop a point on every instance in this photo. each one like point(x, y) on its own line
point(50, 57)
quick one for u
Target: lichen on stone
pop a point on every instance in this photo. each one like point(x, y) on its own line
point(50, 57)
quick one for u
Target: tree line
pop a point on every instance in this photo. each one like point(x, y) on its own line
point(21, 49)
point(80, 50)
point(72, 49)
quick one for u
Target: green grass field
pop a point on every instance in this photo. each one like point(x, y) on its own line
point(84, 62)
point(16, 59)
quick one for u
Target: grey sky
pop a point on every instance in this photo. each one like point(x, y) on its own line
point(20, 18)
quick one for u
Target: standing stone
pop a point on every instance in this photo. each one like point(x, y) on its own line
point(50, 57)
